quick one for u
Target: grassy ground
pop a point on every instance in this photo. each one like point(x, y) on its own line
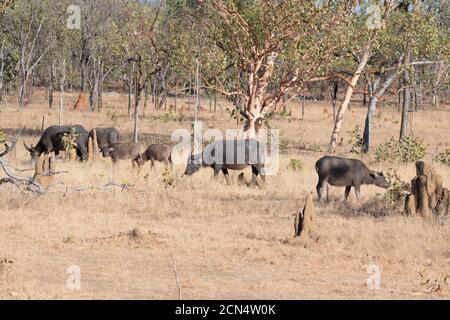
point(220, 241)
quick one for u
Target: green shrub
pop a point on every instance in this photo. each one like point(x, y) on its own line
point(168, 179)
point(396, 189)
point(356, 139)
point(171, 116)
point(69, 141)
point(443, 157)
point(295, 164)
point(408, 149)
point(112, 114)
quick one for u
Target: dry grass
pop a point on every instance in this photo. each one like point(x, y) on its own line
point(227, 241)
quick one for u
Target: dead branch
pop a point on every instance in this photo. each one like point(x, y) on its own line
point(32, 184)
point(104, 187)
point(174, 266)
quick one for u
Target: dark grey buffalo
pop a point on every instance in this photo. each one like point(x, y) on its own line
point(346, 173)
point(222, 155)
point(156, 152)
point(105, 136)
point(52, 141)
point(121, 150)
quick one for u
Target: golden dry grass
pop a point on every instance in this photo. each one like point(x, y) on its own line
point(229, 242)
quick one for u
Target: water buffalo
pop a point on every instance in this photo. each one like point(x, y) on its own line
point(121, 150)
point(51, 141)
point(347, 173)
point(156, 152)
point(105, 136)
point(222, 155)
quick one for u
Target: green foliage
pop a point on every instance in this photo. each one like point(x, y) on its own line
point(234, 113)
point(396, 189)
point(112, 114)
point(443, 157)
point(69, 141)
point(408, 149)
point(356, 140)
point(167, 178)
point(171, 116)
point(295, 164)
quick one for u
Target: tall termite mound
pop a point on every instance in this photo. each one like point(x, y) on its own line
point(428, 195)
point(82, 103)
point(305, 220)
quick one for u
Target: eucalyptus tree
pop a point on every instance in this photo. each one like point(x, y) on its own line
point(262, 50)
point(408, 38)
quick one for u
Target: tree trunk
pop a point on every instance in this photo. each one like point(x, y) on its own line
point(30, 88)
point(50, 86)
point(129, 99)
point(303, 107)
point(101, 80)
point(84, 60)
point(435, 99)
point(334, 91)
point(145, 97)
point(176, 97)
point(406, 99)
point(347, 98)
point(136, 122)
point(370, 114)
point(22, 90)
point(190, 91)
point(61, 92)
point(215, 101)
point(373, 106)
point(257, 88)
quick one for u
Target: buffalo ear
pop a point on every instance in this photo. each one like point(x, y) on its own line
point(373, 175)
point(381, 173)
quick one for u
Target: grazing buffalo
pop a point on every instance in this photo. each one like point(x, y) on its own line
point(52, 141)
point(222, 155)
point(156, 152)
point(105, 136)
point(346, 173)
point(121, 150)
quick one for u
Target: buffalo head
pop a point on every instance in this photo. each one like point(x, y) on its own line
point(106, 151)
point(194, 163)
point(379, 179)
point(139, 159)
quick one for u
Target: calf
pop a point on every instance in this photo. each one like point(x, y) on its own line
point(156, 152)
point(123, 150)
point(346, 173)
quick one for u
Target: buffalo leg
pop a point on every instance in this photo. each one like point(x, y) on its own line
point(320, 186)
point(259, 171)
point(216, 171)
point(227, 176)
point(357, 191)
point(254, 175)
point(347, 192)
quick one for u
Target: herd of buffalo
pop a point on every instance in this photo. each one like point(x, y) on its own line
point(221, 156)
